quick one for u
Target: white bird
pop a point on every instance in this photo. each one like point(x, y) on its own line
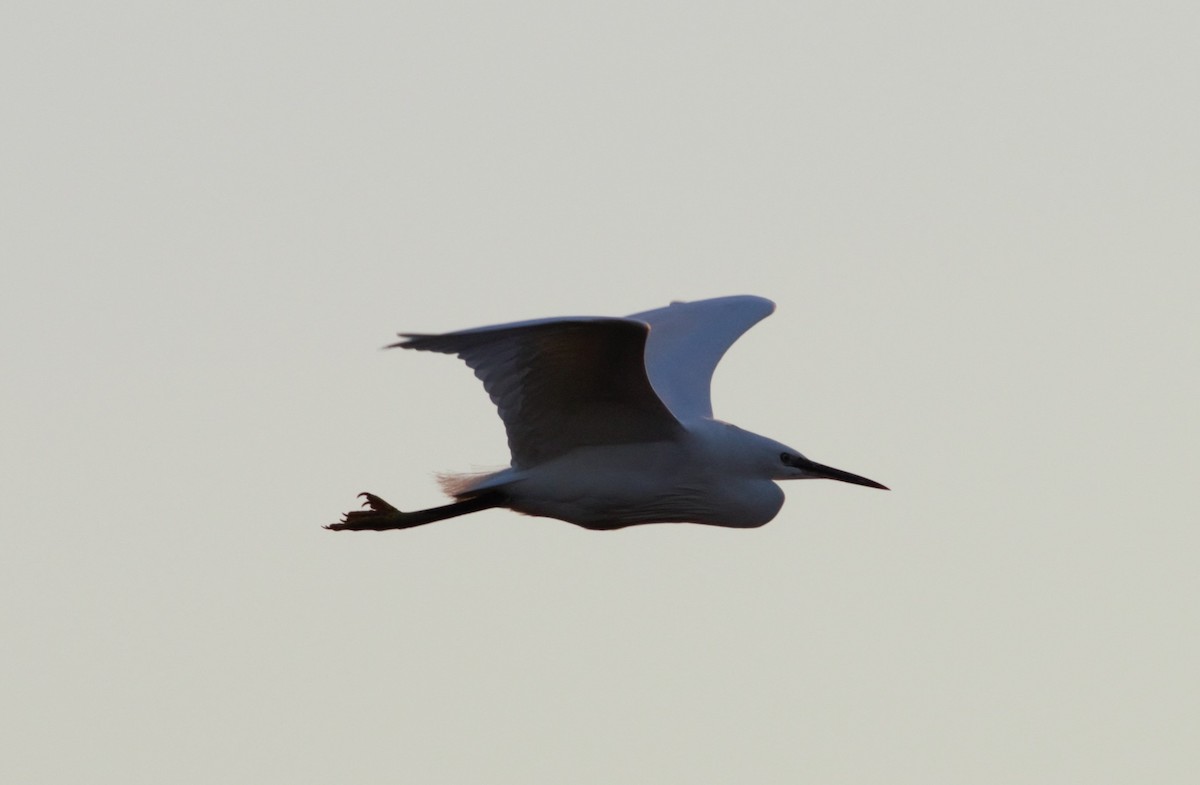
point(610, 424)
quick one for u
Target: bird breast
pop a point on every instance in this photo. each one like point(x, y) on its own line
point(612, 486)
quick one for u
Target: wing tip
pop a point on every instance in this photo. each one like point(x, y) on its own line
point(745, 299)
point(407, 340)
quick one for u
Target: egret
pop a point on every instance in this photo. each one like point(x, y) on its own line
point(610, 424)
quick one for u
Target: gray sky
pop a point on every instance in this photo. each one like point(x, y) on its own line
point(979, 224)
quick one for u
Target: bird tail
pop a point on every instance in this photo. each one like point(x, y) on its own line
point(463, 484)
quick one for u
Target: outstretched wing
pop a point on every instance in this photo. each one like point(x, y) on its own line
point(562, 383)
point(687, 340)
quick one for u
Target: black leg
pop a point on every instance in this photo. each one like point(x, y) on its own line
point(380, 516)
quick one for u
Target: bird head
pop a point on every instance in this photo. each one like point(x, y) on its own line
point(762, 456)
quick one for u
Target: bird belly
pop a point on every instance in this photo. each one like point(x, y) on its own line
point(613, 487)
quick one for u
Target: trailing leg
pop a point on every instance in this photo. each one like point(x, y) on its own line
point(380, 516)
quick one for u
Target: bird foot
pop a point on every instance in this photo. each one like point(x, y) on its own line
point(379, 515)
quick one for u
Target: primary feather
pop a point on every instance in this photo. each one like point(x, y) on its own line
point(560, 384)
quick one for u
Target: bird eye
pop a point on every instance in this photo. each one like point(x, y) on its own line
point(785, 457)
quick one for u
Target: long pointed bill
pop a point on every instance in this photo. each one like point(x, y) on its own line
point(822, 471)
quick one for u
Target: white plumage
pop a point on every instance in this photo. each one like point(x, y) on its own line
point(610, 424)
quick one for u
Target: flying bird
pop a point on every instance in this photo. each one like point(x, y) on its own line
point(610, 424)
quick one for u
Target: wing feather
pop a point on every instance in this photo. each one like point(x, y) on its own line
point(559, 384)
point(687, 340)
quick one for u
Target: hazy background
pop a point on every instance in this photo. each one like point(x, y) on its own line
point(979, 223)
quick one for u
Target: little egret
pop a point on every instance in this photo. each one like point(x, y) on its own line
point(610, 424)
